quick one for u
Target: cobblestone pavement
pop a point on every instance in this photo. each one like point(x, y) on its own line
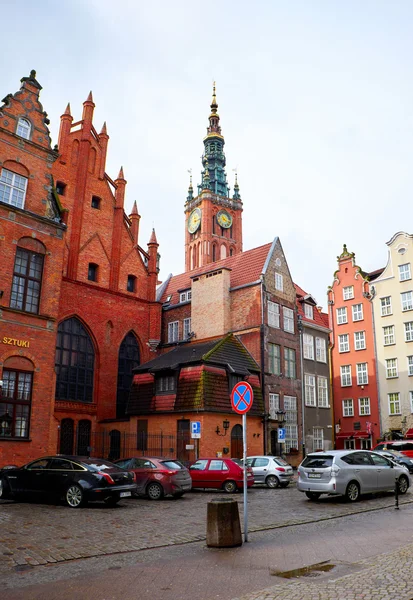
point(38, 534)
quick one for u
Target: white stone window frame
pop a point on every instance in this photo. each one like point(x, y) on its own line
point(357, 310)
point(318, 439)
point(173, 332)
point(394, 399)
point(410, 366)
point(279, 282)
point(408, 331)
point(359, 340)
point(386, 306)
point(308, 346)
point(362, 373)
point(24, 128)
point(411, 401)
point(344, 342)
point(185, 296)
point(320, 350)
point(309, 390)
point(407, 301)
point(405, 272)
point(322, 392)
point(392, 370)
point(187, 327)
point(345, 375)
point(273, 310)
point(273, 404)
point(341, 314)
point(364, 407)
point(348, 292)
point(348, 407)
point(389, 337)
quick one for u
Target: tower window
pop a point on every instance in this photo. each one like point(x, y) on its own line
point(131, 285)
point(92, 273)
point(23, 128)
point(95, 202)
point(60, 188)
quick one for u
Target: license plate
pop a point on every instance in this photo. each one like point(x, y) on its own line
point(314, 475)
point(125, 494)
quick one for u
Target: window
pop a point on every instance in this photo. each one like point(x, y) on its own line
point(27, 280)
point(404, 272)
point(173, 332)
point(362, 374)
point(391, 368)
point(274, 405)
point(360, 340)
point(366, 444)
point(394, 403)
point(309, 381)
point(322, 385)
point(92, 272)
point(279, 282)
point(15, 404)
point(165, 384)
point(12, 188)
point(274, 359)
point(364, 407)
point(60, 188)
point(187, 328)
point(185, 296)
point(131, 284)
point(343, 343)
point(318, 439)
point(23, 128)
point(408, 331)
point(349, 444)
point(357, 312)
point(320, 350)
point(410, 365)
point(341, 315)
point(308, 311)
point(389, 337)
point(411, 401)
point(288, 319)
point(308, 346)
point(95, 202)
point(128, 359)
point(385, 304)
point(289, 359)
point(291, 427)
point(348, 409)
point(345, 374)
point(348, 292)
point(75, 362)
point(407, 301)
point(273, 314)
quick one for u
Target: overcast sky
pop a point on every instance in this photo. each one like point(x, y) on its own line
point(315, 99)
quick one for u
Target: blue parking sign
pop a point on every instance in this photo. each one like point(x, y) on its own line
point(195, 429)
point(281, 435)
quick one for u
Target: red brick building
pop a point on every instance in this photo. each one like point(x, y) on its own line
point(73, 341)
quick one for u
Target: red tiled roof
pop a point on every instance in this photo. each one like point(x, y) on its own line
point(246, 267)
point(320, 318)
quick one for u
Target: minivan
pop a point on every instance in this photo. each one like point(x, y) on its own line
point(403, 446)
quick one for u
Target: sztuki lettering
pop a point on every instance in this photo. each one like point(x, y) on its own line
point(14, 342)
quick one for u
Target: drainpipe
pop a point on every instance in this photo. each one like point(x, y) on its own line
point(300, 329)
point(370, 297)
point(262, 365)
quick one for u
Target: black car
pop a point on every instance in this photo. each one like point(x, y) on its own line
point(398, 458)
point(75, 479)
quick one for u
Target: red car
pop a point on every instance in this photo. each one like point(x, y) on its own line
point(158, 477)
point(219, 473)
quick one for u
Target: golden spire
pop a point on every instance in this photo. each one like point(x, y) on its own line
point(214, 105)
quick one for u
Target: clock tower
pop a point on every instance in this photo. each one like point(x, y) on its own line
point(213, 220)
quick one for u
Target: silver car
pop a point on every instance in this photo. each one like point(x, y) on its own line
point(349, 473)
point(271, 470)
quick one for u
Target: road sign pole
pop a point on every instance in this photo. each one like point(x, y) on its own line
point(244, 429)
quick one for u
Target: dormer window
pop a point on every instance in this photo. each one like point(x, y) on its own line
point(92, 273)
point(131, 284)
point(95, 202)
point(308, 311)
point(185, 296)
point(24, 128)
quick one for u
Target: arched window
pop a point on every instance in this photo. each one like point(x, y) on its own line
point(231, 251)
point(83, 437)
point(66, 436)
point(223, 251)
point(75, 361)
point(213, 223)
point(23, 128)
point(15, 397)
point(128, 359)
point(214, 252)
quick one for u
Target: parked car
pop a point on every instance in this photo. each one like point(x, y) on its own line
point(76, 479)
point(271, 470)
point(349, 473)
point(158, 477)
point(219, 473)
point(403, 446)
point(398, 458)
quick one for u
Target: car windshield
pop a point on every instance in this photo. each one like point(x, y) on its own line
point(172, 464)
point(280, 461)
point(319, 461)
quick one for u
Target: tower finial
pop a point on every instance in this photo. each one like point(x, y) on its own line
point(214, 105)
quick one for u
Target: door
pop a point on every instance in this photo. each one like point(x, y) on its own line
point(236, 442)
point(385, 473)
point(33, 479)
point(260, 469)
point(59, 476)
point(182, 440)
point(365, 471)
point(144, 471)
point(198, 473)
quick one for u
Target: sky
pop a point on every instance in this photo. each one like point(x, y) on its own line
point(315, 100)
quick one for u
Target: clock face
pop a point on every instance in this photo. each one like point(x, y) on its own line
point(194, 220)
point(224, 219)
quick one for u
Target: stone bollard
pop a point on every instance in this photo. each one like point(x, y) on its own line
point(223, 526)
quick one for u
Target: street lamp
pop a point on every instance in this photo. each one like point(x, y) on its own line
point(225, 425)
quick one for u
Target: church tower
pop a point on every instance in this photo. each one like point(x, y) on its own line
point(213, 220)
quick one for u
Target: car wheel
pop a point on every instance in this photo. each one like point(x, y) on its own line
point(402, 484)
point(313, 495)
point(178, 495)
point(154, 491)
point(352, 491)
point(272, 481)
point(74, 496)
point(111, 500)
point(230, 487)
point(4, 489)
